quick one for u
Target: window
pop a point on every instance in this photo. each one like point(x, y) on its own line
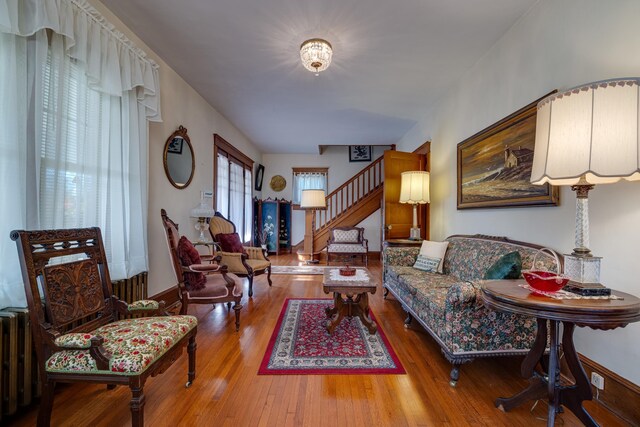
point(74, 143)
point(309, 179)
point(233, 180)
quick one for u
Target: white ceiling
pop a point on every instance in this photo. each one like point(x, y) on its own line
point(392, 61)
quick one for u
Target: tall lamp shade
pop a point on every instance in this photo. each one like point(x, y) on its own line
point(414, 189)
point(585, 136)
point(313, 199)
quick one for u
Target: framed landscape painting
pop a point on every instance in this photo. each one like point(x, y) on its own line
point(494, 165)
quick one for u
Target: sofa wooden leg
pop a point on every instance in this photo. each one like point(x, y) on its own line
point(385, 293)
point(269, 275)
point(408, 320)
point(455, 374)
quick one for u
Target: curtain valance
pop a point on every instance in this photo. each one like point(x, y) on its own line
point(113, 64)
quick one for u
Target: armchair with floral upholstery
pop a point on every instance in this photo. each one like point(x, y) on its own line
point(243, 261)
point(77, 324)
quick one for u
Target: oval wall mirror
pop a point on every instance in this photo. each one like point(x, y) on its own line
point(179, 161)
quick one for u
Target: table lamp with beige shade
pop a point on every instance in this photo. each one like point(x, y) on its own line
point(311, 200)
point(414, 189)
point(585, 136)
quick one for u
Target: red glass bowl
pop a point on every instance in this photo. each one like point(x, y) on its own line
point(347, 271)
point(546, 281)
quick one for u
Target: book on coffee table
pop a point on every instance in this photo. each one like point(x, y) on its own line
point(587, 289)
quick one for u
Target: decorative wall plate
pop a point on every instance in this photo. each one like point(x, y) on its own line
point(278, 183)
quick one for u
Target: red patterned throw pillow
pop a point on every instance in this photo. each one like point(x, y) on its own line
point(229, 242)
point(188, 255)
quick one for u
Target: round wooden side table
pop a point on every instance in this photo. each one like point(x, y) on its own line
point(509, 296)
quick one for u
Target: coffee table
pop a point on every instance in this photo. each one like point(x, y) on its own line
point(356, 289)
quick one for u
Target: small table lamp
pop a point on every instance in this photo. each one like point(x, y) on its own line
point(585, 136)
point(414, 189)
point(203, 212)
point(311, 200)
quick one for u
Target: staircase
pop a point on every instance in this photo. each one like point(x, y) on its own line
point(350, 203)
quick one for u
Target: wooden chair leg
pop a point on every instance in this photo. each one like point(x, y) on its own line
point(236, 308)
point(269, 275)
point(191, 350)
point(184, 305)
point(250, 277)
point(137, 406)
point(46, 403)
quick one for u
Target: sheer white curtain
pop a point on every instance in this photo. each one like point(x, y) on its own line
point(222, 185)
point(248, 205)
point(74, 105)
point(308, 181)
point(14, 87)
point(236, 196)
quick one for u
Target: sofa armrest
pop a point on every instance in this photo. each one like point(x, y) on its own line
point(400, 255)
point(462, 293)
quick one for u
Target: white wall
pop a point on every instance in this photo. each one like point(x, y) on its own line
point(340, 170)
point(558, 44)
point(181, 105)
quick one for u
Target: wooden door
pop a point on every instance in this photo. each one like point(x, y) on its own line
point(398, 217)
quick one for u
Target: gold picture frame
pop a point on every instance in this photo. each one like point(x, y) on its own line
point(494, 165)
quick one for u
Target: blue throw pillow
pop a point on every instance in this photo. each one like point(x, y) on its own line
point(509, 266)
point(425, 263)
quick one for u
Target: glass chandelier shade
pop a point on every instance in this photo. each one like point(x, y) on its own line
point(316, 55)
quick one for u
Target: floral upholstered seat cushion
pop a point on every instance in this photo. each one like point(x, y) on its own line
point(346, 248)
point(134, 344)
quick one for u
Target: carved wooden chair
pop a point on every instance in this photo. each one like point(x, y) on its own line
point(76, 321)
point(347, 242)
point(244, 261)
point(219, 287)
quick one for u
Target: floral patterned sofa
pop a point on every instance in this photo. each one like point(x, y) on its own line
point(449, 305)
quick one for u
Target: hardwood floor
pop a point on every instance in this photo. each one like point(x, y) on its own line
point(228, 392)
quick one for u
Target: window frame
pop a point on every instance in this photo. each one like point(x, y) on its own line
point(300, 170)
point(221, 146)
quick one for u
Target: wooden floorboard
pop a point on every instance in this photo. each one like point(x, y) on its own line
point(229, 392)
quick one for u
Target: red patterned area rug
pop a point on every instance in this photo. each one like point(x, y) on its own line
point(301, 345)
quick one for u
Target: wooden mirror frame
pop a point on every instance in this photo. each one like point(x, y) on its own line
point(182, 133)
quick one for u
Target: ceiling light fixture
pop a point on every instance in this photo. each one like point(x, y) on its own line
point(316, 55)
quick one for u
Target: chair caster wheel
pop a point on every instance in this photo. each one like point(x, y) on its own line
point(188, 384)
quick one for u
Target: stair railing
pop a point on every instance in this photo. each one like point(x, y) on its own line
point(349, 194)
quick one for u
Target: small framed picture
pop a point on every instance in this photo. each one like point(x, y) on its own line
point(359, 153)
point(175, 146)
point(259, 178)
